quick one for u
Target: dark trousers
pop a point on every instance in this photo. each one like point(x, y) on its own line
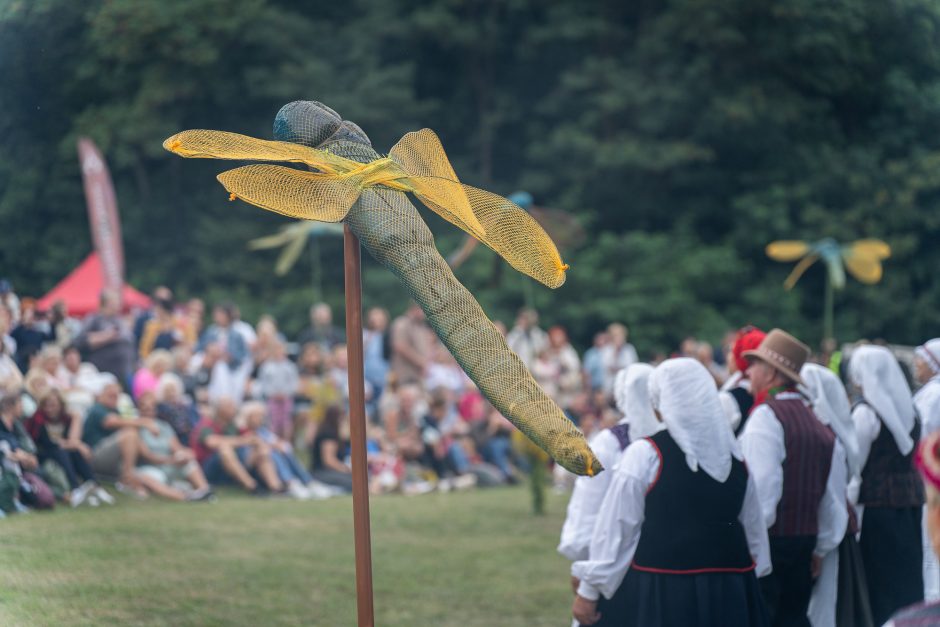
point(76, 467)
point(787, 589)
point(893, 556)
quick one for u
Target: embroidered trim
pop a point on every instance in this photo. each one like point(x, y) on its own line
point(694, 571)
point(660, 470)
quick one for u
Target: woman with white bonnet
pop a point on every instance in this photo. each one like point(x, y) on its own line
point(927, 402)
point(679, 538)
point(840, 594)
point(632, 398)
point(891, 492)
point(927, 373)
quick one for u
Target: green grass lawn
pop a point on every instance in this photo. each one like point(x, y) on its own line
point(469, 558)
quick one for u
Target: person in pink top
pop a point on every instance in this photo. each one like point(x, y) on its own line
point(158, 363)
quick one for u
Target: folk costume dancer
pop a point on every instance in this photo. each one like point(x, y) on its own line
point(927, 461)
point(891, 493)
point(738, 385)
point(927, 401)
point(632, 399)
point(679, 536)
point(840, 593)
point(800, 471)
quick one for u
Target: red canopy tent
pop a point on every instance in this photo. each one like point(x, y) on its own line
point(82, 287)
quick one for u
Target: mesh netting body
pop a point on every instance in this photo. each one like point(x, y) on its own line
point(394, 233)
point(390, 228)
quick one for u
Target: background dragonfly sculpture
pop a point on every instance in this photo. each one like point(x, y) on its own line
point(293, 238)
point(862, 258)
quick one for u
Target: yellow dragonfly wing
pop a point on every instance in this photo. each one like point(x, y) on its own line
point(294, 193)
point(787, 250)
point(798, 271)
point(873, 248)
point(434, 181)
point(204, 144)
point(517, 237)
point(864, 267)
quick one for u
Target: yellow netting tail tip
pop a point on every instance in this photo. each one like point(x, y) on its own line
point(176, 143)
point(232, 196)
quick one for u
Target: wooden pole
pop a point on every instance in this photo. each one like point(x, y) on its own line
point(357, 428)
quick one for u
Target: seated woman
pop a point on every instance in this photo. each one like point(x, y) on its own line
point(163, 462)
point(174, 407)
point(291, 472)
point(58, 439)
point(146, 379)
point(679, 536)
point(329, 450)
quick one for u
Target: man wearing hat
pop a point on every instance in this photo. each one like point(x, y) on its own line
point(799, 469)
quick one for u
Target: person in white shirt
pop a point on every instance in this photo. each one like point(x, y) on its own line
point(927, 401)
point(526, 339)
point(842, 576)
point(800, 471)
point(617, 354)
point(891, 491)
point(679, 536)
point(632, 398)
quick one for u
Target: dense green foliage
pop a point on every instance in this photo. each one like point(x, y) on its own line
point(685, 135)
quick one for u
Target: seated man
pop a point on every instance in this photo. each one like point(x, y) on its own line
point(112, 438)
point(290, 471)
point(226, 455)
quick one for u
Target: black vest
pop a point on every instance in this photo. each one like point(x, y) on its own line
point(889, 478)
point(691, 522)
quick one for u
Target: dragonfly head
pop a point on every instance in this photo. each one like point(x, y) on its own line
point(314, 124)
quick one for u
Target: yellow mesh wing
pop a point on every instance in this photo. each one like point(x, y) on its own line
point(865, 268)
point(434, 181)
point(517, 237)
point(203, 144)
point(787, 250)
point(294, 193)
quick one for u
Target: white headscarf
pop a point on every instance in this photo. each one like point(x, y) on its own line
point(831, 405)
point(684, 393)
point(930, 353)
point(631, 394)
point(876, 371)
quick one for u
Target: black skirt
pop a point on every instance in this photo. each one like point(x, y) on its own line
point(892, 552)
point(647, 599)
point(852, 607)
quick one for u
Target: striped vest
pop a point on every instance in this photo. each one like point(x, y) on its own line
point(809, 446)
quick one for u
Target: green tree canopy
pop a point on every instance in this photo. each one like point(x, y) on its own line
point(685, 135)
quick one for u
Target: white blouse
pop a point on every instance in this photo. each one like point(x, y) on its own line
point(617, 529)
point(586, 499)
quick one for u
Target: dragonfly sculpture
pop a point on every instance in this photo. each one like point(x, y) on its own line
point(349, 182)
point(862, 258)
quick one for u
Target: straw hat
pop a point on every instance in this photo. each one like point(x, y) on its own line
point(782, 351)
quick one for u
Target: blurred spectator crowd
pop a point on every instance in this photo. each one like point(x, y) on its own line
point(166, 402)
